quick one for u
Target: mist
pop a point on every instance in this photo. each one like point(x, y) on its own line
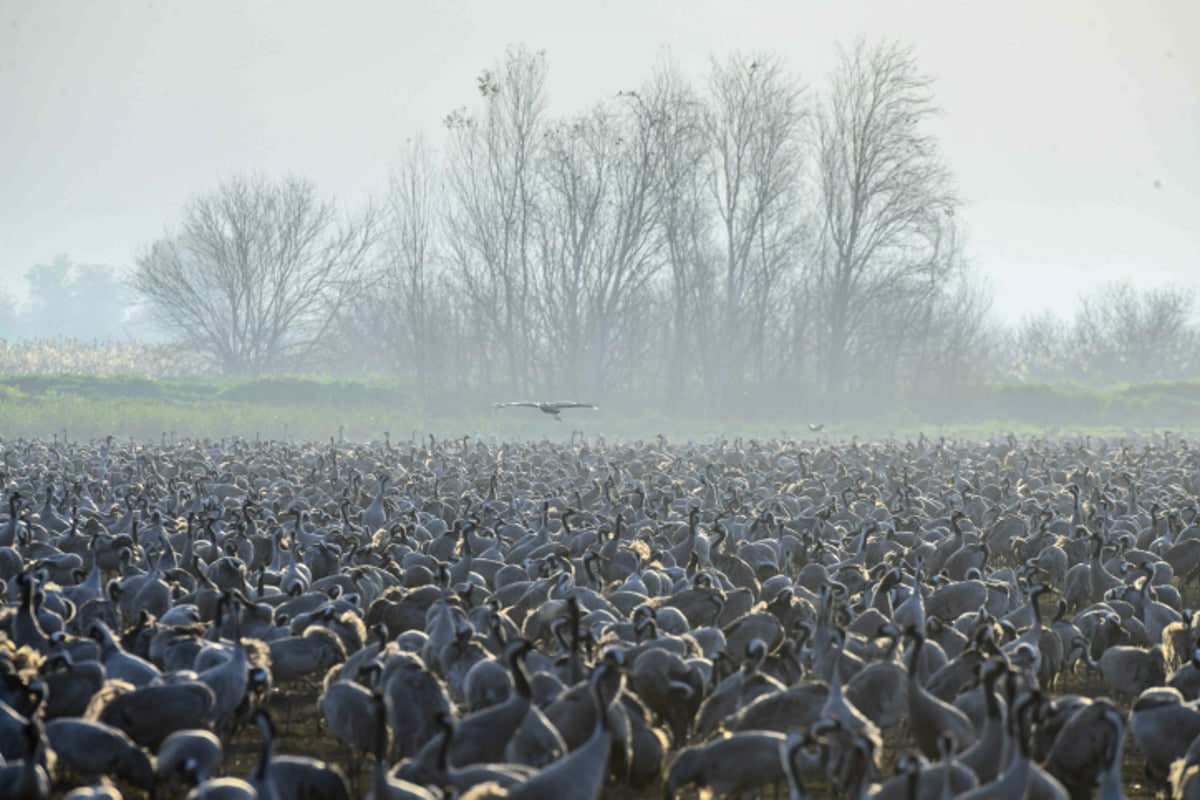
point(720, 239)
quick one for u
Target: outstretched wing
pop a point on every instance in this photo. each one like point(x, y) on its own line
point(511, 403)
point(560, 404)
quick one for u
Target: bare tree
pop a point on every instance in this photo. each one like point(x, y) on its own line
point(490, 223)
point(887, 203)
point(957, 344)
point(754, 125)
point(1121, 334)
point(676, 117)
point(394, 318)
point(599, 249)
point(256, 274)
point(1039, 348)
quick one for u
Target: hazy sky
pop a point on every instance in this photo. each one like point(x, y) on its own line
point(1073, 126)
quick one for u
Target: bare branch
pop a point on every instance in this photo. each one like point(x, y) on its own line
point(256, 273)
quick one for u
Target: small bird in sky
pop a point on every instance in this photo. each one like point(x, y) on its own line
point(816, 428)
point(551, 408)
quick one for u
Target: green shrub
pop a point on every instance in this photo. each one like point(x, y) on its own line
point(307, 391)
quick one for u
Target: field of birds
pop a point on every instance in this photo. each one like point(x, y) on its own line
point(578, 619)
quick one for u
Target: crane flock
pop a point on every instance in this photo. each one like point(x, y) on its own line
point(483, 619)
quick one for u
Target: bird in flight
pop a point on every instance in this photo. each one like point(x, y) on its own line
point(815, 427)
point(551, 408)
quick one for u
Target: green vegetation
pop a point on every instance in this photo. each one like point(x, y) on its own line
point(145, 409)
point(1154, 405)
point(308, 408)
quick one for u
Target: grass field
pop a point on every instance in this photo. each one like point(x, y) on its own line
point(145, 410)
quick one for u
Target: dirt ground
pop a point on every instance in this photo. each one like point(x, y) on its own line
point(298, 721)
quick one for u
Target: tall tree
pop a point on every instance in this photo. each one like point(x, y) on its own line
point(598, 245)
point(256, 274)
point(493, 206)
point(675, 114)
point(80, 301)
point(50, 301)
point(754, 124)
point(887, 204)
point(394, 319)
point(10, 324)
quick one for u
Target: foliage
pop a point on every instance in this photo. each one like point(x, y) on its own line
point(295, 391)
point(65, 299)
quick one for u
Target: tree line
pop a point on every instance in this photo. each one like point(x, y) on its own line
point(65, 300)
point(738, 242)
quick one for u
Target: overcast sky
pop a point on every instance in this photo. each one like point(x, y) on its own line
point(1073, 127)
